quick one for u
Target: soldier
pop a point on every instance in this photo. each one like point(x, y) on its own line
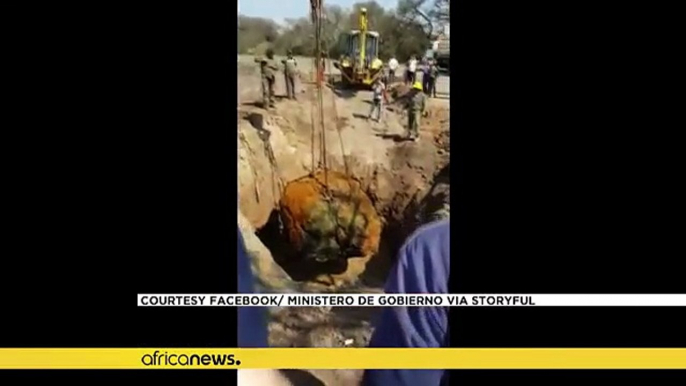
point(415, 110)
point(291, 72)
point(268, 67)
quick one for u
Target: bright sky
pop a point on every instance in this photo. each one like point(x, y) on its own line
point(291, 9)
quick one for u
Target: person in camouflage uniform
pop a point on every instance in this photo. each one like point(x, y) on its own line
point(415, 110)
point(291, 72)
point(268, 68)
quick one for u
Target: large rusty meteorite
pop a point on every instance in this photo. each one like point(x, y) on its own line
point(333, 225)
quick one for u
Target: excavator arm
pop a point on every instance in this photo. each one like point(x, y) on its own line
point(363, 37)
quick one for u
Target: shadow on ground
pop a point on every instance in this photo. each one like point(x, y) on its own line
point(394, 137)
point(302, 378)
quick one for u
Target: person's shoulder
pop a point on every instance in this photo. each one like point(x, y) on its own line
point(425, 257)
point(438, 231)
point(431, 240)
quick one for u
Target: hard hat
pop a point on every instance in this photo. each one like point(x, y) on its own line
point(418, 86)
point(363, 10)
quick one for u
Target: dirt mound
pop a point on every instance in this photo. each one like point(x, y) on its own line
point(325, 226)
point(442, 141)
point(436, 204)
point(398, 90)
point(437, 122)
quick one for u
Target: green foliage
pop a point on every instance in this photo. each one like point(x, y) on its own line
point(253, 31)
point(403, 32)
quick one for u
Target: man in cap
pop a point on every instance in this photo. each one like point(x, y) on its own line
point(416, 108)
point(291, 72)
point(268, 68)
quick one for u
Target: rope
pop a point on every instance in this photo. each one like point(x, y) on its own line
point(320, 94)
point(320, 46)
point(317, 20)
point(313, 139)
point(336, 120)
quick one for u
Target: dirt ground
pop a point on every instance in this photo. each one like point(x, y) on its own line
point(276, 147)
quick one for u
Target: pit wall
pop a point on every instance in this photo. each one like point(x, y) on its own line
point(395, 175)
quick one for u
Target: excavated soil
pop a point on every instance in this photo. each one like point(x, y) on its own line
point(401, 180)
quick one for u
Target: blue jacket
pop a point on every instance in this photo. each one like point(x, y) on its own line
point(252, 321)
point(423, 266)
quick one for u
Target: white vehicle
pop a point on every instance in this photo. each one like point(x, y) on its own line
point(441, 52)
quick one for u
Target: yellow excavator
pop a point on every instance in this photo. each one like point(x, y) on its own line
point(360, 64)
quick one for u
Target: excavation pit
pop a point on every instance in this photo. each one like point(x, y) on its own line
point(276, 150)
point(326, 229)
point(315, 245)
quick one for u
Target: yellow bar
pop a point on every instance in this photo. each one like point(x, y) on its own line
point(343, 358)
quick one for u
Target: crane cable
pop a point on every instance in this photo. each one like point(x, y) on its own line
point(317, 18)
point(335, 116)
point(317, 21)
point(320, 47)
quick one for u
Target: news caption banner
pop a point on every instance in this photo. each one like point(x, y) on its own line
point(411, 300)
point(340, 358)
point(365, 358)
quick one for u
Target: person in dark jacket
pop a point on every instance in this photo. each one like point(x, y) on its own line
point(423, 266)
point(433, 78)
point(425, 75)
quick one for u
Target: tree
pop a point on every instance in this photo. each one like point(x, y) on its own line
point(252, 31)
point(432, 15)
point(417, 12)
point(297, 36)
point(440, 13)
point(403, 32)
point(375, 15)
point(334, 26)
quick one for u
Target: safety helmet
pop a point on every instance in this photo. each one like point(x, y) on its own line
point(418, 86)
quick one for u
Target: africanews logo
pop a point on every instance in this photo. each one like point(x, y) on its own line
point(166, 359)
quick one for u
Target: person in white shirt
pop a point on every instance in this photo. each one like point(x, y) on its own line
point(392, 67)
point(412, 70)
